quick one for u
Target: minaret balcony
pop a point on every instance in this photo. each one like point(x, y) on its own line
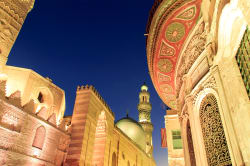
point(144, 107)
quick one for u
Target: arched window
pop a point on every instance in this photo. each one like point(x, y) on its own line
point(40, 97)
point(128, 163)
point(39, 137)
point(213, 132)
point(114, 159)
point(242, 58)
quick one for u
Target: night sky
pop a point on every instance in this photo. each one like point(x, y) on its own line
point(100, 43)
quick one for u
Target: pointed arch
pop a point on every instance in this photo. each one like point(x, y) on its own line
point(39, 138)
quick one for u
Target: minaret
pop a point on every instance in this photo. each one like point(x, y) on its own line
point(144, 107)
point(12, 16)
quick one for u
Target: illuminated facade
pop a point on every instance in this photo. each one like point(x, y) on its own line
point(174, 140)
point(198, 58)
point(97, 140)
point(144, 108)
point(12, 16)
point(33, 129)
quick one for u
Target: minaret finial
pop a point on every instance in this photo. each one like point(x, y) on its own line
point(127, 112)
point(144, 87)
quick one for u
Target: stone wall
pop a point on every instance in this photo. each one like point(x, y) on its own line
point(94, 138)
point(18, 129)
point(12, 16)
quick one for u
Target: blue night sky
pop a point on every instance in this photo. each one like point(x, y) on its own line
point(92, 42)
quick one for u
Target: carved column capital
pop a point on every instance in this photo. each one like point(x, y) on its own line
point(189, 99)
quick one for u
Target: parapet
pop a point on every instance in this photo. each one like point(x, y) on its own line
point(97, 94)
point(30, 108)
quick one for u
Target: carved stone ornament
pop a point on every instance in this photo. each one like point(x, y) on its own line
point(193, 50)
point(209, 83)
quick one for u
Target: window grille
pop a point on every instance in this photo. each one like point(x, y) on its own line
point(243, 59)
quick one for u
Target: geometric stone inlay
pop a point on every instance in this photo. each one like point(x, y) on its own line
point(175, 31)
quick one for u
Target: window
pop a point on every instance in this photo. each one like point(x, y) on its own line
point(40, 98)
point(177, 142)
point(242, 58)
point(114, 159)
point(39, 137)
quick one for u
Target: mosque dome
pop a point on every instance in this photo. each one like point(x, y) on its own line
point(133, 130)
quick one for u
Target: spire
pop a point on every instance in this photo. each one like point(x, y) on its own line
point(144, 108)
point(144, 87)
point(127, 113)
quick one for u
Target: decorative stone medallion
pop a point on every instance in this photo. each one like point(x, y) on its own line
point(188, 14)
point(165, 65)
point(175, 31)
point(166, 50)
point(166, 88)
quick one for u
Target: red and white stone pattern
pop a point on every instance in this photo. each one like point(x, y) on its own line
point(168, 35)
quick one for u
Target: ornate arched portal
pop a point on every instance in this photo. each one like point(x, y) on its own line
point(190, 145)
point(213, 133)
point(100, 141)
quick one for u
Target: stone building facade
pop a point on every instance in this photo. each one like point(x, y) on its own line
point(33, 129)
point(198, 58)
point(97, 140)
point(29, 136)
point(12, 17)
point(174, 139)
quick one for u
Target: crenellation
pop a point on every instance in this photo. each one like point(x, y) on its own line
point(15, 99)
point(97, 94)
point(30, 107)
point(52, 119)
